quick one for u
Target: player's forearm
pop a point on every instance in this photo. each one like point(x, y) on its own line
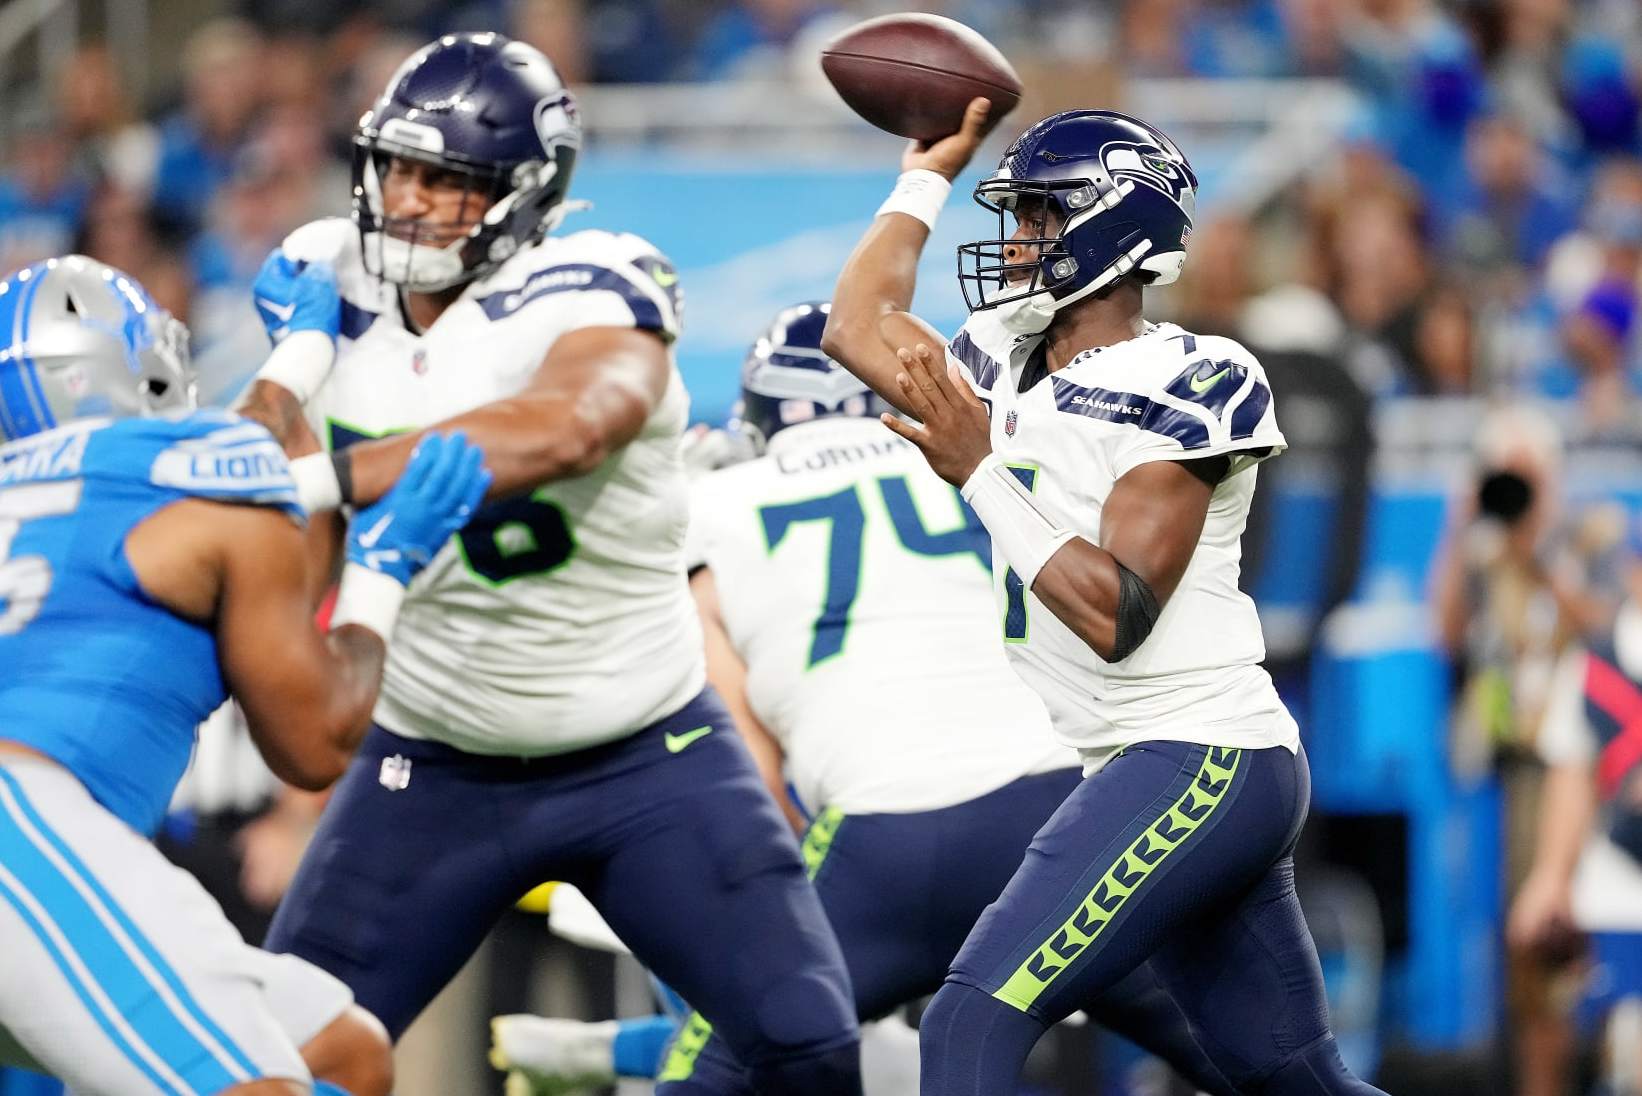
point(309, 741)
point(1567, 810)
point(874, 290)
point(1080, 586)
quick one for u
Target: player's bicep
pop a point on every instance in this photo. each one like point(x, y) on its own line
point(1152, 520)
point(612, 378)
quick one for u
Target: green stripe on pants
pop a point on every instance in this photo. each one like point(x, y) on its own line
point(693, 1036)
point(1126, 875)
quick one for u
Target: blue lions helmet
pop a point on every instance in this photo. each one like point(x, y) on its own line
point(80, 339)
point(1108, 195)
point(788, 379)
point(491, 110)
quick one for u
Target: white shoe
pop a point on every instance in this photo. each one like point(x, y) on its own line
point(543, 1056)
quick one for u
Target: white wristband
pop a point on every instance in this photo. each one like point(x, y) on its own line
point(1021, 532)
point(918, 193)
point(300, 363)
point(368, 598)
point(317, 487)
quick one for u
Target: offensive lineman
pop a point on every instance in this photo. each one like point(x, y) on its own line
point(544, 712)
point(833, 571)
point(1111, 460)
point(150, 563)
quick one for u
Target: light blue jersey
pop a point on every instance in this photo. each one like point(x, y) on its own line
point(97, 676)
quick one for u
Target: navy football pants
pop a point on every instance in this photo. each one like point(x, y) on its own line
point(902, 892)
point(680, 849)
point(1176, 856)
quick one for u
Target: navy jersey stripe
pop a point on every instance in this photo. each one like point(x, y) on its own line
point(1135, 410)
point(1246, 416)
point(1100, 403)
point(355, 320)
point(981, 364)
point(570, 277)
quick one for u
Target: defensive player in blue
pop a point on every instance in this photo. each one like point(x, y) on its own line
point(152, 563)
point(545, 712)
point(1112, 460)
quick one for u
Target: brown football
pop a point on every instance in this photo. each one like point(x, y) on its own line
point(913, 74)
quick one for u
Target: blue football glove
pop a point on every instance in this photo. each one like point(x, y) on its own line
point(291, 295)
point(401, 533)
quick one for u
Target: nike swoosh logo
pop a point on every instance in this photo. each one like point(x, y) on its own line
point(1201, 385)
point(283, 312)
point(665, 278)
point(369, 537)
point(677, 742)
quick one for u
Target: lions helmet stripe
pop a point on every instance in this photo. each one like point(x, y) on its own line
point(19, 378)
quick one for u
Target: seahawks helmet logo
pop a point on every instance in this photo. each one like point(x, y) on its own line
point(1148, 165)
point(557, 121)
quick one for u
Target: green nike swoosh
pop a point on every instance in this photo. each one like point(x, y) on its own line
point(677, 742)
point(1201, 385)
point(664, 277)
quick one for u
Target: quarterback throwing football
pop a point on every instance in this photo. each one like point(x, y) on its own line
point(1113, 461)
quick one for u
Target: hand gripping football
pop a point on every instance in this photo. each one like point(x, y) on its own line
point(913, 74)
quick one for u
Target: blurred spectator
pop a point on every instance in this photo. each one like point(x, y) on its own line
point(1513, 205)
point(98, 113)
point(1507, 593)
point(1305, 540)
point(1508, 600)
point(1587, 303)
point(1380, 271)
point(1598, 336)
point(121, 230)
point(1151, 42)
point(1216, 284)
point(1600, 90)
point(750, 37)
point(1444, 357)
point(282, 178)
point(1524, 71)
point(559, 29)
point(42, 196)
point(1586, 876)
point(222, 73)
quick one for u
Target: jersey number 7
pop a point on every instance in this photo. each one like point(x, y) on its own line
point(26, 580)
point(846, 521)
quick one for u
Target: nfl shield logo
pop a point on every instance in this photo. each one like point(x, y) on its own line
point(419, 362)
point(1009, 424)
point(395, 773)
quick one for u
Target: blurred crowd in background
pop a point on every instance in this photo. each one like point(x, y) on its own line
point(1475, 241)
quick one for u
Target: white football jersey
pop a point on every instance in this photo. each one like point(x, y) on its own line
point(854, 584)
point(1164, 395)
point(555, 621)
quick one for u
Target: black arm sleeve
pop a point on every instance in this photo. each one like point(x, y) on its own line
point(1137, 611)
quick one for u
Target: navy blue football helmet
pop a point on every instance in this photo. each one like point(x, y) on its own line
point(788, 379)
point(1112, 195)
point(490, 109)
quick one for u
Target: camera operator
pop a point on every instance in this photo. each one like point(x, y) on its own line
point(1510, 594)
